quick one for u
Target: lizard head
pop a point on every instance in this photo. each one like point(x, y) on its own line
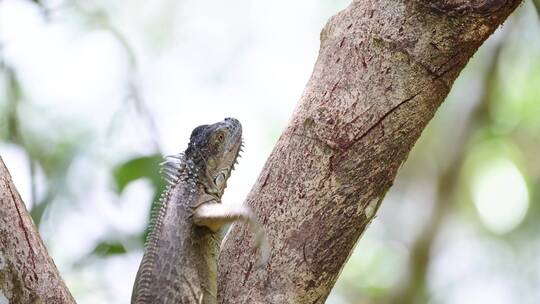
point(214, 149)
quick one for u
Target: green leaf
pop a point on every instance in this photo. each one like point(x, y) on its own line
point(137, 168)
point(106, 248)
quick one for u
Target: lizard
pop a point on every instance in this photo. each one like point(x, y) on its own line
point(179, 263)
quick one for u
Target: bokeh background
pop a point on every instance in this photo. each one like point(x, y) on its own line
point(93, 92)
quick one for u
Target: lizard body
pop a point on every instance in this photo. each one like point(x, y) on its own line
point(180, 260)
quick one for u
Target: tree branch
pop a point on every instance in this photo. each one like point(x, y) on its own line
point(27, 273)
point(536, 4)
point(384, 67)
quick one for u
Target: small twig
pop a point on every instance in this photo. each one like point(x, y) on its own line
point(536, 4)
point(33, 188)
point(134, 94)
point(133, 86)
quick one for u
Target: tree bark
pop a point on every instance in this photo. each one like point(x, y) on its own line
point(27, 273)
point(384, 67)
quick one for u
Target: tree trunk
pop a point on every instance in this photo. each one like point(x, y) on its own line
point(384, 67)
point(27, 273)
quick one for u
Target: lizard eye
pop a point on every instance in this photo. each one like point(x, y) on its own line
point(219, 180)
point(219, 137)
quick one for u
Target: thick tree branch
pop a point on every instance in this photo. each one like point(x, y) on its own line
point(27, 273)
point(384, 67)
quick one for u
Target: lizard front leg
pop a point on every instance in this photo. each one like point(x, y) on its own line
point(216, 215)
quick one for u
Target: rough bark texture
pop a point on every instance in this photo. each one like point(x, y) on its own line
point(27, 273)
point(384, 68)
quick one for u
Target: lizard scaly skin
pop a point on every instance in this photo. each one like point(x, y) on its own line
point(180, 260)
